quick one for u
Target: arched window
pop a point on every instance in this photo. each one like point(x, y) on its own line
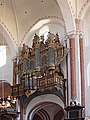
point(44, 31)
point(2, 55)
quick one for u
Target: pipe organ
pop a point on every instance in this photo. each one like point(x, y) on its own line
point(38, 68)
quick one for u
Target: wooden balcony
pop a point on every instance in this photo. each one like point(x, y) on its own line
point(52, 83)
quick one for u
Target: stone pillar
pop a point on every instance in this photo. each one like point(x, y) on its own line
point(67, 71)
point(78, 71)
point(18, 108)
point(82, 70)
point(73, 67)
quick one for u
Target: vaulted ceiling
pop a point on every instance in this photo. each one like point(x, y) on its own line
point(18, 17)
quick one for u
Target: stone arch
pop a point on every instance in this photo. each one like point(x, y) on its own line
point(38, 24)
point(42, 114)
point(40, 102)
point(67, 21)
point(37, 117)
point(8, 38)
point(65, 9)
point(84, 9)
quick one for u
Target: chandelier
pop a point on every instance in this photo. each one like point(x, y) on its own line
point(6, 102)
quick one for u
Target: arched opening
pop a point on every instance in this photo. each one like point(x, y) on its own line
point(46, 111)
point(6, 117)
point(44, 32)
point(43, 26)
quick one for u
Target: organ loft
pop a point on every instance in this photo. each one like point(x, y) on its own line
point(38, 70)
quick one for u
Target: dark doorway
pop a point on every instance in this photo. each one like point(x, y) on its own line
point(5, 117)
point(36, 117)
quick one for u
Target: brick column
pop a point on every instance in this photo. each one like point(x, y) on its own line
point(21, 111)
point(73, 67)
point(14, 74)
point(82, 70)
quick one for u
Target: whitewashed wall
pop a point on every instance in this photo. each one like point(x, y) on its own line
point(6, 72)
point(86, 28)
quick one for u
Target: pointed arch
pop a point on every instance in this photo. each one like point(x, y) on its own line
point(38, 24)
point(9, 40)
point(47, 98)
point(65, 9)
point(84, 9)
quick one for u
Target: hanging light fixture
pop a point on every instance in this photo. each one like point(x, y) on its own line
point(6, 102)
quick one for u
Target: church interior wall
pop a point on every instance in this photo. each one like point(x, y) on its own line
point(86, 29)
point(55, 26)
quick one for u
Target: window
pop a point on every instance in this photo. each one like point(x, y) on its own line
point(44, 31)
point(2, 55)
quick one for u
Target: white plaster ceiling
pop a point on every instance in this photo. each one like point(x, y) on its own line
point(19, 16)
point(77, 7)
